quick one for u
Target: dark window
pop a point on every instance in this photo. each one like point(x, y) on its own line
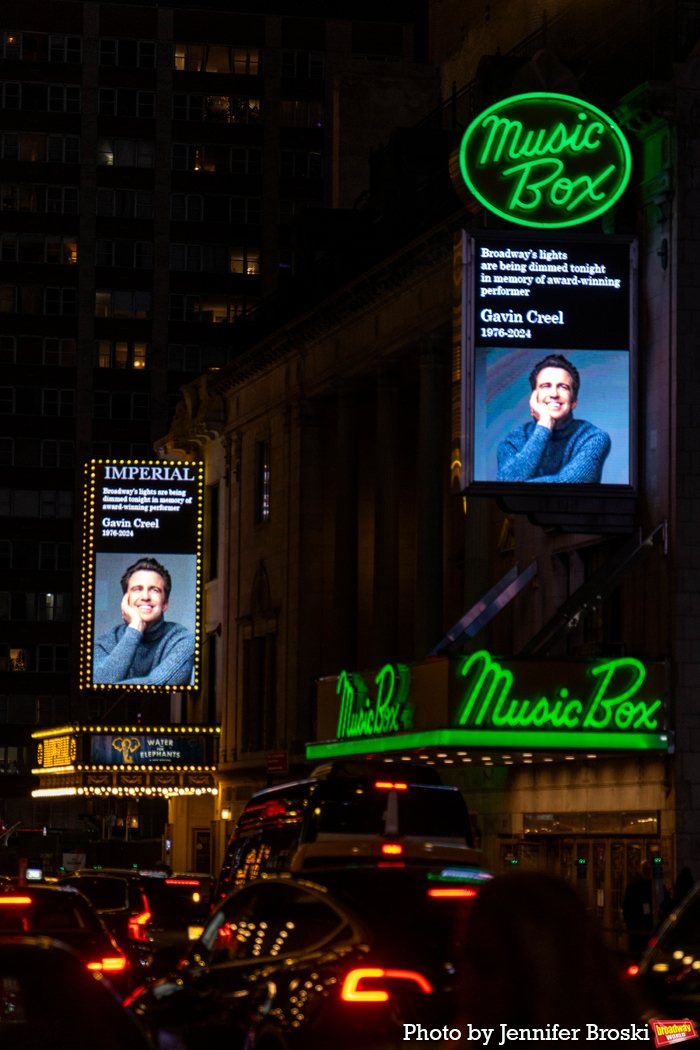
point(262, 481)
point(259, 693)
point(213, 532)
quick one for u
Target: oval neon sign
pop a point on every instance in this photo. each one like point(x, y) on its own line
point(545, 160)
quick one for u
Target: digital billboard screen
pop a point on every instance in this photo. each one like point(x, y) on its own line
point(548, 364)
point(141, 572)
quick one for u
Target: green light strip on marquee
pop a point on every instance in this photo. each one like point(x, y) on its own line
point(488, 738)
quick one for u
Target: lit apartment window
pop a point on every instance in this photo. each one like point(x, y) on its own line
point(215, 58)
point(111, 354)
point(126, 153)
point(245, 260)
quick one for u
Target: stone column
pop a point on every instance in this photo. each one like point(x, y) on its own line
point(345, 550)
point(386, 521)
point(432, 470)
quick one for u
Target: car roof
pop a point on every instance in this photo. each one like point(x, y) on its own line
point(35, 887)
point(112, 872)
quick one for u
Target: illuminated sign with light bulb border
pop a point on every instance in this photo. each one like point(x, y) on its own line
point(482, 702)
point(89, 771)
point(119, 538)
point(544, 160)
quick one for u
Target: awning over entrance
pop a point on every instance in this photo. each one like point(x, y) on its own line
point(135, 761)
point(503, 710)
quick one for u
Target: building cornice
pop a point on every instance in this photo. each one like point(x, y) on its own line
point(430, 251)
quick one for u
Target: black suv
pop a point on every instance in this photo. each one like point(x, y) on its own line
point(149, 913)
point(348, 810)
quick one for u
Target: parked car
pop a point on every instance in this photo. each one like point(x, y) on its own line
point(48, 998)
point(344, 958)
point(65, 915)
point(149, 913)
point(344, 809)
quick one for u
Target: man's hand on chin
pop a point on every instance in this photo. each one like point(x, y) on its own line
point(540, 412)
point(131, 616)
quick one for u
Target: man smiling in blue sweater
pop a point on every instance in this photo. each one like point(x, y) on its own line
point(144, 649)
point(554, 447)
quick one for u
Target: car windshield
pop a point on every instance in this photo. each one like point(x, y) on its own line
point(413, 914)
point(360, 807)
point(178, 901)
point(46, 911)
point(684, 934)
point(104, 893)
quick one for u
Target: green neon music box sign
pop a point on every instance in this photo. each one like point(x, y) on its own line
point(545, 160)
point(480, 701)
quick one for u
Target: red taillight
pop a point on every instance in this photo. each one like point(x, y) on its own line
point(632, 971)
point(110, 964)
point(182, 882)
point(391, 864)
point(136, 926)
point(352, 993)
point(392, 848)
point(134, 995)
point(387, 784)
point(15, 900)
point(452, 891)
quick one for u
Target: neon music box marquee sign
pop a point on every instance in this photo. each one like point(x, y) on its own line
point(480, 701)
point(544, 160)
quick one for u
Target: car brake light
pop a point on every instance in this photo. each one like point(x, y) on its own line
point(387, 784)
point(453, 891)
point(632, 971)
point(182, 882)
point(15, 900)
point(134, 995)
point(392, 847)
point(136, 926)
point(352, 993)
point(109, 965)
point(391, 864)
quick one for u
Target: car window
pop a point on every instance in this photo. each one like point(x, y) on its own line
point(271, 920)
point(178, 901)
point(684, 934)
point(104, 893)
point(51, 912)
point(360, 808)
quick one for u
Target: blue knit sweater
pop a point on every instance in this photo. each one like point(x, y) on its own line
point(573, 453)
point(163, 655)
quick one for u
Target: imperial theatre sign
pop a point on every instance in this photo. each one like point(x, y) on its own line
point(485, 702)
point(544, 160)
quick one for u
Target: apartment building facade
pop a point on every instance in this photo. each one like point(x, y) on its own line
point(153, 160)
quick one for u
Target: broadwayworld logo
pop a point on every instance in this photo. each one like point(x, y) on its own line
point(667, 1032)
point(613, 703)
